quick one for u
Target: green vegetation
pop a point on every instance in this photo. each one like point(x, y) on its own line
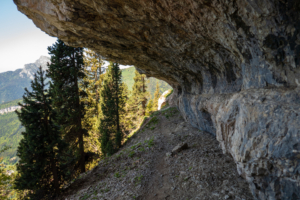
point(150, 142)
point(169, 93)
point(170, 112)
point(5, 180)
point(113, 100)
point(66, 71)
point(117, 175)
point(131, 154)
point(10, 135)
point(156, 97)
point(42, 168)
point(128, 75)
point(136, 105)
point(138, 179)
point(83, 116)
point(10, 132)
point(153, 121)
point(92, 84)
point(10, 103)
point(86, 196)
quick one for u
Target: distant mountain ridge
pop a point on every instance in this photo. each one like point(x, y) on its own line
point(30, 69)
point(12, 83)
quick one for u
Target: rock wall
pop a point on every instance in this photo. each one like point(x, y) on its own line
point(234, 66)
point(260, 128)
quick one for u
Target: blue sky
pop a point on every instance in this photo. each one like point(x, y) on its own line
point(21, 42)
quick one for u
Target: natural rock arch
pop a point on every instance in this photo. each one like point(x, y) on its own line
point(236, 62)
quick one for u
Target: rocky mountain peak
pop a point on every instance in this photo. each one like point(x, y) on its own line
point(30, 69)
point(42, 61)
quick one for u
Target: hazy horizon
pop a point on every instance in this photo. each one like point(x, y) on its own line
point(21, 41)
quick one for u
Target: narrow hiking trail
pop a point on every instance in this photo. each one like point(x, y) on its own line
point(145, 168)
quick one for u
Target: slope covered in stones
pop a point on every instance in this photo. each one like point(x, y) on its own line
point(145, 167)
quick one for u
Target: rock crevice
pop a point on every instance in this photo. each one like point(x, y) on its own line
point(234, 66)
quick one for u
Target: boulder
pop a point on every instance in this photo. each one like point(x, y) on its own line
point(180, 147)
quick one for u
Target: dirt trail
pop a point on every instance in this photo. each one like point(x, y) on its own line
point(144, 169)
point(160, 182)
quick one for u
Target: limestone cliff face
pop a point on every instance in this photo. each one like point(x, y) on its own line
point(9, 109)
point(234, 66)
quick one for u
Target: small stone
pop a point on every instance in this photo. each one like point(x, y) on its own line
point(169, 154)
point(226, 197)
point(215, 194)
point(180, 147)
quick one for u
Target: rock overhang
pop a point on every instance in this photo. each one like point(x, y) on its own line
point(217, 55)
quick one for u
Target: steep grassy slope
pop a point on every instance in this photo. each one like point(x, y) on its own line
point(10, 135)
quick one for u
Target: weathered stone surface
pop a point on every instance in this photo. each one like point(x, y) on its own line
point(234, 66)
point(180, 147)
point(163, 100)
point(260, 128)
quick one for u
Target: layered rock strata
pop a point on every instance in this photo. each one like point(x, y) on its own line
point(9, 109)
point(234, 66)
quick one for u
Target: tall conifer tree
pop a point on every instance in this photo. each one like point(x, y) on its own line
point(138, 99)
point(92, 84)
point(112, 107)
point(156, 97)
point(66, 72)
point(5, 179)
point(149, 108)
point(42, 166)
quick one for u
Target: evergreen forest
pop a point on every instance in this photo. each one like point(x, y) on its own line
point(73, 115)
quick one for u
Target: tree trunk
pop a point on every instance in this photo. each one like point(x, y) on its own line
point(144, 98)
point(80, 130)
point(117, 106)
point(55, 176)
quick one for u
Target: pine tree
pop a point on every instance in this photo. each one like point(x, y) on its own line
point(42, 166)
point(94, 78)
point(92, 84)
point(149, 108)
point(112, 107)
point(139, 93)
point(66, 72)
point(156, 97)
point(138, 99)
point(5, 179)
